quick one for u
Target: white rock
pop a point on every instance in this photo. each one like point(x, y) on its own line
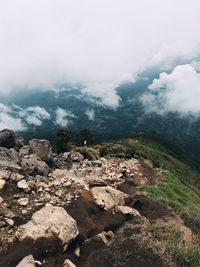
point(5, 174)
point(68, 263)
point(52, 223)
point(10, 222)
point(28, 261)
point(127, 210)
point(108, 197)
point(16, 177)
point(23, 201)
point(22, 184)
point(2, 183)
point(1, 200)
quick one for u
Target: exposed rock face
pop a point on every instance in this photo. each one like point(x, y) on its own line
point(19, 142)
point(77, 157)
point(25, 150)
point(107, 197)
point(27, 262)
point(41, 148)
point(33, 165)
point(49, 223)
point(9, 159)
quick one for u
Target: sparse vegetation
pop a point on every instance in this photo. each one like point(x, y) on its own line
point(186, 254)
point(62, 139)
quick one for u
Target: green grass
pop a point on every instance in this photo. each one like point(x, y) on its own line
point(183, 165)
point(185, 254)
point(183, 199)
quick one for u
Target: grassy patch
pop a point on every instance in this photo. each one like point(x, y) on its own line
point(185, 254)
point(182, 198)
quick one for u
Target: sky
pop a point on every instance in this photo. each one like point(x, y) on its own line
point(100, 44)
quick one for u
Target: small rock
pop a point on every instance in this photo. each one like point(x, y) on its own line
point(95, 181)
point(10, 222)
point(28, 261)
point(16, 177)
point(5, 174)
point(22, 184)
point(125, 210)
point(1, 200)
point(68, 263)
point(76, 157)
point(2, 183)
point(97, 163)
point(23, 201)
point(24, 212)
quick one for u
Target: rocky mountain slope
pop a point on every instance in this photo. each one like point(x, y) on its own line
point(130, 203)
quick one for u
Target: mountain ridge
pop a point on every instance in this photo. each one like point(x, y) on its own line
point(138, 196)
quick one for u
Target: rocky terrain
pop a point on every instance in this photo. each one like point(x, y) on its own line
point(66, 210)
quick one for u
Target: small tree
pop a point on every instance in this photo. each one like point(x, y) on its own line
point(85, 137)
point(62, 139)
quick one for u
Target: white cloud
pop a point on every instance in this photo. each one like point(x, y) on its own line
point(90, 113)
point(19, 119)
point(8, 121)
point(93, 42)
point(177, 91)
point(34, 115)
point(63, 117)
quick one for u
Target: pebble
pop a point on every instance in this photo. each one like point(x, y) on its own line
point(23, 201)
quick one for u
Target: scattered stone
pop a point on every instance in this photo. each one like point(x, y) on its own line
point(2, 183)
point(107, 197)
point(128, 211)
point(49, 223)
point(9, 159)
point(1, 200)
point(42, 149)
point(5, 211)
point(97, 163)
point(22, 184)
point(24, 151)
point(28, 261)
point(76, 157)
point(33, 165)
point(68, 263)
point(16, 177)
point(95, 181)
point(10, 222)
point(5, 174)
point(23, 201)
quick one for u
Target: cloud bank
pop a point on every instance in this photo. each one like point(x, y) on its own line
point(19, 119)
point(97, 43)
point(177, 91)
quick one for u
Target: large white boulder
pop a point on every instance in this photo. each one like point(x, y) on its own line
point(51, 223)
